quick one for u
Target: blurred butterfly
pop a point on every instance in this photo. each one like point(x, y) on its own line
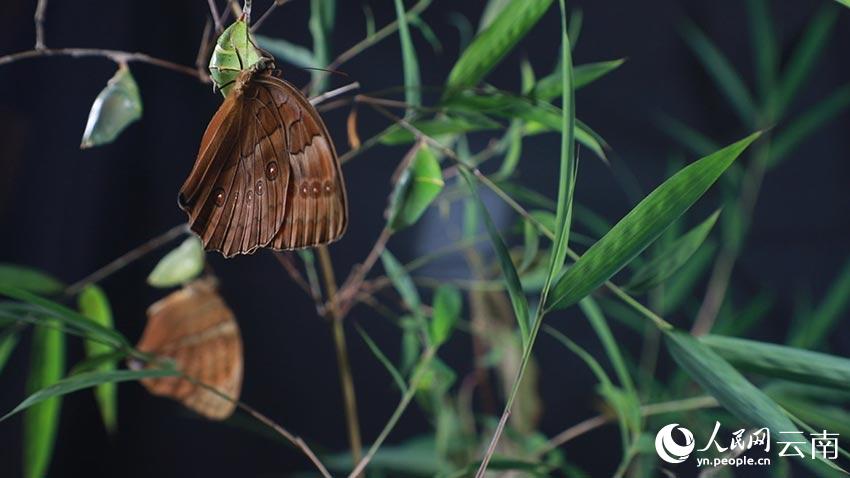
point(267, 173)
point(195, 329)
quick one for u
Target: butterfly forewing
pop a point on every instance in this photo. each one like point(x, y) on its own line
point(195, 328)
point(267, 174)
point(317, 210)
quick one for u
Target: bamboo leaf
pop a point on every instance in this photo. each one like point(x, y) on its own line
point(783, 362)
point(722, 72)
point(447, 306)
point(416, 188)
point(807, 123)
point(412, 91)
point(447, 125)
point(764, 46)
point(491, 11)
point(94, 304)
point(376, 351)
point(86, 380)
point(289, 52)
point(322, 19)
point(812, 330)
point(41, 422)
point(66, 315)
point(117, 106)
point(720, 380)
point(518, 299)
point(9, 337)
point(668, 261)
point(179, 266)
point(805, 55)
point(401, 281)
point(29, 279)
point(549, 88)
point(687, 136)
point(642, 225)
point(488, 48)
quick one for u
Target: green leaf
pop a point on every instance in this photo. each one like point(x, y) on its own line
point(402, 282)
point(67, 316)
point(687, 136)
point(234, 51)
point(668, 261)
point(376, 351)
point(86, 380)
point(846, 3)
point(412, 91)
point(814, 329)
point(42, 421)
point(568, 167)
point(179, 266)
point(491, 11)
point(764, 46)
point(720, 380)
point(446, 125)
point(549, 88)
point(518, 299)
point(490, 46)
point(9, 337)
point(783, 362)
point(322, 19)
point(29, 279)
point(297, 55)
point(542, 116)
point(116, 107)
point(805, 55)
point(416, 189)
point(807, 123)
point(94, 304)
point(447, 306)
point(642, 225)
point(722, 72)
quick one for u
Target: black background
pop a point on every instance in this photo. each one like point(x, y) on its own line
point(69, 211)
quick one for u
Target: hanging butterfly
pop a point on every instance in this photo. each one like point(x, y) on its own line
point(267, 173)
point(195, 328)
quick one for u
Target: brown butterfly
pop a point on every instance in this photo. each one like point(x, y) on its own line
point(195, 328)
point(267, 173)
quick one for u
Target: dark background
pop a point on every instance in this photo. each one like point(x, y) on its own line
point(69, 211)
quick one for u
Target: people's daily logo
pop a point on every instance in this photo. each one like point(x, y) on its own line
point(669, 449)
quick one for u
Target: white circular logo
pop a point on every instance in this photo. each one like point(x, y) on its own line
point(667, 448)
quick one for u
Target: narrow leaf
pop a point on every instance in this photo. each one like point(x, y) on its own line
point(783, 362)
point(816, 328)
point(518, 299)
point(488, 48)
point(668, 261)
point(447, 306)
point(29, 279)
point(376, 351)
point(94, 304)
point(441, 126)
point(642, 225)
point(179, 266)
point(412, 92)
point(116, 107)
point(86, 380)
point(8, 340)
point(401, 281)
point(289, 52)
point(416, 188)
point(549, 88)
point(42, 421)
point(722, 72)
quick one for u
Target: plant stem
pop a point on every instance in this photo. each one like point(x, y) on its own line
point(345, 376)
point(402, 405)
point(40, 10)
point(126, 258)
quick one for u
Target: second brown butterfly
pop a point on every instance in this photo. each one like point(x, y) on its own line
point(267, 173)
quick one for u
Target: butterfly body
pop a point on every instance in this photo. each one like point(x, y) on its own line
point(267, 173)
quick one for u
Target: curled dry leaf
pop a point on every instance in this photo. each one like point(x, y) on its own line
point(195, 329)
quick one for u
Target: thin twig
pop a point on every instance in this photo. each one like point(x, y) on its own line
point(246, 11)
point(204, 51)
point(354, 282)
point(115, 55)
point(40, 10)
point(286, 261)
point(219, 27)
point(333, 93)
point(272, 7)
point(402, 405)
point(345, 375)
point(127, 258)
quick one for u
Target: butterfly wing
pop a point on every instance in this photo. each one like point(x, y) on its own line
point(236, 193)
point(196, 329)
point(316, 204)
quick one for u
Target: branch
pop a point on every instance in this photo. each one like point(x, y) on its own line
point(115, 55)
point(40, 10)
